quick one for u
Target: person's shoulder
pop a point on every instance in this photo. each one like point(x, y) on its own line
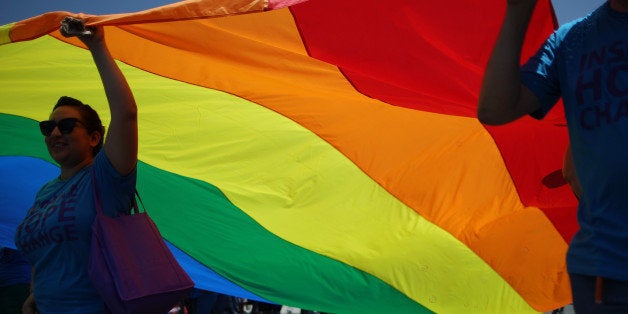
point(101, 157)
point(572, 26)
point(103, 165)
point(576, 30)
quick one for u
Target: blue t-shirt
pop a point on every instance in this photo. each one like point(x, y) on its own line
point(55, 236)
point(586, 63)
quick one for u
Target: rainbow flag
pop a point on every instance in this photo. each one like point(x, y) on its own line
point(319, 154)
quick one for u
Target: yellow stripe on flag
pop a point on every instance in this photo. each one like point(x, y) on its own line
point(4, 33)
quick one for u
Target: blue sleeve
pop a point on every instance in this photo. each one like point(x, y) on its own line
point(539, 75)
point(116, 191)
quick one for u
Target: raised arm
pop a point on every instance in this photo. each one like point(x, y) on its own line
point(503, 98)
point(121, 141)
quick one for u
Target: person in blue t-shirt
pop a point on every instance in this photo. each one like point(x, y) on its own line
point(56, 232)
point(586, 63)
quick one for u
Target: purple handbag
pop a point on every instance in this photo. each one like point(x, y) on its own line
point(130, 264)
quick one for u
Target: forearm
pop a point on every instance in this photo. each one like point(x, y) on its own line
point(569, 173)
point(501, 92)
point(30, 306)
point(117, 90)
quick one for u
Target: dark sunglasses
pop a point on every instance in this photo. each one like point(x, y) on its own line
point(65, 126)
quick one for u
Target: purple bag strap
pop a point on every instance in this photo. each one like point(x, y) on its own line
point(137, 209)
point(98, 204)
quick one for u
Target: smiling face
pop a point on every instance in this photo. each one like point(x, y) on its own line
point(73, 149)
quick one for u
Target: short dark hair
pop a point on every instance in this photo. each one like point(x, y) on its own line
point(89, 117)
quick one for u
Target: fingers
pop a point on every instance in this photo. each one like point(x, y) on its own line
point(71, 26)
point(74, 27)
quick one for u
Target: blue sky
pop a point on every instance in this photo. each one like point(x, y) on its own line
point(16, 10)
point(567, 10)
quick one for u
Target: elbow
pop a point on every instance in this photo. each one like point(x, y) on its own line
point(485, 117)
point(490, 117)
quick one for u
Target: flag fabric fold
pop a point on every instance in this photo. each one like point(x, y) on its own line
point(319, 154)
